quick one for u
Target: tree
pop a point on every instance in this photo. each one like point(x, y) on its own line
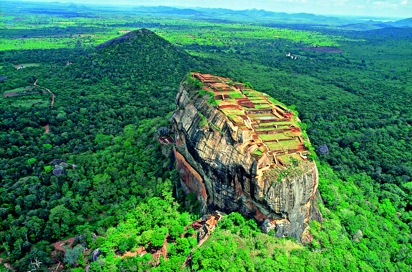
point(35, 226)
point(31, 161)
point(60, 219)
point(72, 255)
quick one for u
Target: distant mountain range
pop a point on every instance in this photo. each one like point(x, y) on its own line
point(270, 16)
point(372, 25)
point(263, 16)
point(402, 23)
point(170, 10)
point(259, 16)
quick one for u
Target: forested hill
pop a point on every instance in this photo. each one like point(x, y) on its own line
point(136, 35)
point(102, 128)
point(137, 60)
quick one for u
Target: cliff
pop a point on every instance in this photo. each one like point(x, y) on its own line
point(241, 150)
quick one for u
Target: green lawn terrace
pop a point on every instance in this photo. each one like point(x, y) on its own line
point(273, 135)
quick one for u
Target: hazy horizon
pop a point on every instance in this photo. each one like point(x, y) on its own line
point(383, 9)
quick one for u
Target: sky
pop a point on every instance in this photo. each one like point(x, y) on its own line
point(382, 8)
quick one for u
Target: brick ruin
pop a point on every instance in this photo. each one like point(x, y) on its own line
point(275, 138)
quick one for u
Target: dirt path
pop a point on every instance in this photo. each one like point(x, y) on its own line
point(161, 252)
point(52, 102)
point(46, 127)
point(140, 251)
point(59, 245)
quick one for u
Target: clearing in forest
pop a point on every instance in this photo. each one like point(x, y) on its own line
point(24, 65)
point(20, 91)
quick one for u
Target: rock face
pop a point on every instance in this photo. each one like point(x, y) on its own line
point(241, 150)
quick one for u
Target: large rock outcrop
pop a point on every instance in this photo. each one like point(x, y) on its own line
point(241, 150)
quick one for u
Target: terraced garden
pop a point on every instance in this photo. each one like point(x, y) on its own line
point(273, 129)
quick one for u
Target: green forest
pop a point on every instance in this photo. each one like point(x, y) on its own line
point(81, 114)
